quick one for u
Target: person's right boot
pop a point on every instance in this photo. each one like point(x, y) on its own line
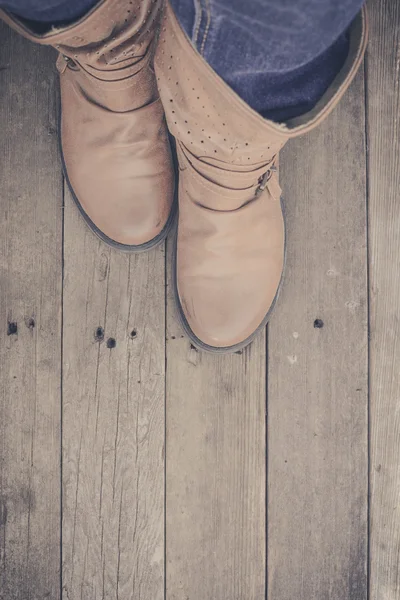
point(230, 243)
point(114, 140)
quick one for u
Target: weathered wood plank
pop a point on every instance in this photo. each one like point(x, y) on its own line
point(30, 322)
point(383, 103)
point(113, 419)
point(215, 469)
point(318, 382)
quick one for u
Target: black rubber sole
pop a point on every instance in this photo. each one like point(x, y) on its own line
point(197, 343)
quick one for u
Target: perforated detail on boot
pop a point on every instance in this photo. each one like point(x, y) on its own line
point(116, 34)
point(202, 112)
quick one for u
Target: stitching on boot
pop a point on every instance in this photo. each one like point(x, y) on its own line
point(208, 25)
point(198, 19)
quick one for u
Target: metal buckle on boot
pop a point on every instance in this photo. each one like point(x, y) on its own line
point(71, 64)
point(263, 181)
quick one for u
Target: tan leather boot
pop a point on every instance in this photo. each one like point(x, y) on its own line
point(230, 241)
point(114, 140)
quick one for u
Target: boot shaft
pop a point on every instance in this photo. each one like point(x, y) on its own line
point(212, 122)
point(114, 35)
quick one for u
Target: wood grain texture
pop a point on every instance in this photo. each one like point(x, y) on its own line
point(383, 103)
point(113, 419)
point(30, 323)
point(113, 397)
point(215, 469)
point(317, 376)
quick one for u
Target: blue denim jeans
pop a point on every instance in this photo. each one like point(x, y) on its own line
point(279, 57)
point(48, 11)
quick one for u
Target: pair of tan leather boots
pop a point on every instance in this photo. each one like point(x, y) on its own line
point(129, 76)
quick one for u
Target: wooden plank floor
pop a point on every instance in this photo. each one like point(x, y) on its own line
point(133, 467)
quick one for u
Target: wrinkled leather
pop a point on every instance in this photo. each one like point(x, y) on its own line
point(230, 241)
point(114, 138)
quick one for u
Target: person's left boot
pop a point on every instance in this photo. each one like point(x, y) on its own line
point(230, 242)
point(114, 140)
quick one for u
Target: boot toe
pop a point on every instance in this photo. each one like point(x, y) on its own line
point(226, 317)
point(126, 201)
point(126, 217)
point(137, 226)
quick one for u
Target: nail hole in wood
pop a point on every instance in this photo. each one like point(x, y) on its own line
point(12, 329)
point(99, 334)
point(318, 323)
point(111, 343)
point(30, 323)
